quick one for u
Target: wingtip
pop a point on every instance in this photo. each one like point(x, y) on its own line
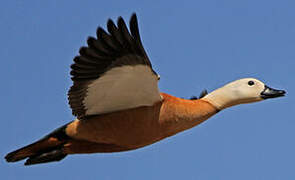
point(203, 93)
point(120, 20)
point(82, 50)
point(110, 25)
point(99, 32)
point(90, 40)
point(133, 17)
point(194, 98)
point(133, 20)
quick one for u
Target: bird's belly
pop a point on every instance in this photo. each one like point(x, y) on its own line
point(130, 128)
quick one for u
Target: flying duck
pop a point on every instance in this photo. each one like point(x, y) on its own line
point(118, 105)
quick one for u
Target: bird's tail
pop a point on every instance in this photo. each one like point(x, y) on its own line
point(47, 149)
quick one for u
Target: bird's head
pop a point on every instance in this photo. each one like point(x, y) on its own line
point(242, 91)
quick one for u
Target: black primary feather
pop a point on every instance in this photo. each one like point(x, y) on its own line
point(202, 94)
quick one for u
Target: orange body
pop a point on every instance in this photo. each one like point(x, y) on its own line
point(118, 131)
point(135, 128)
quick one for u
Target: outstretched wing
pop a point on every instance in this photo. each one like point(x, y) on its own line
point(113, 73)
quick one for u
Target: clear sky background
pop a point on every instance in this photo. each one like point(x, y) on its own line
point(193, 45)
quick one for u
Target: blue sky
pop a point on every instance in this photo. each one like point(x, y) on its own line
point(193, 45)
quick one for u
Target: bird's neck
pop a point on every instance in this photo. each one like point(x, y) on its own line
point(220, 99)
point(180, 114)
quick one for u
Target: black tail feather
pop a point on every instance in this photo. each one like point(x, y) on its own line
point(11, 157)
point(54, 155)
point(44, 150)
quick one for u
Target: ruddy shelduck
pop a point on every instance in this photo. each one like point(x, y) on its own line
point(118, 105)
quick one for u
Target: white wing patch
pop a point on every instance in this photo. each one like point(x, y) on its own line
point(122, 88)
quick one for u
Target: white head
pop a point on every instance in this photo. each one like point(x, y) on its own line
point(241, 91)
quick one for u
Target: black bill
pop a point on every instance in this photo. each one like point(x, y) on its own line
point(271, 93)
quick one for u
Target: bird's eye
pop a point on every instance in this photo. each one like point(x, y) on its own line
point(250, 83)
